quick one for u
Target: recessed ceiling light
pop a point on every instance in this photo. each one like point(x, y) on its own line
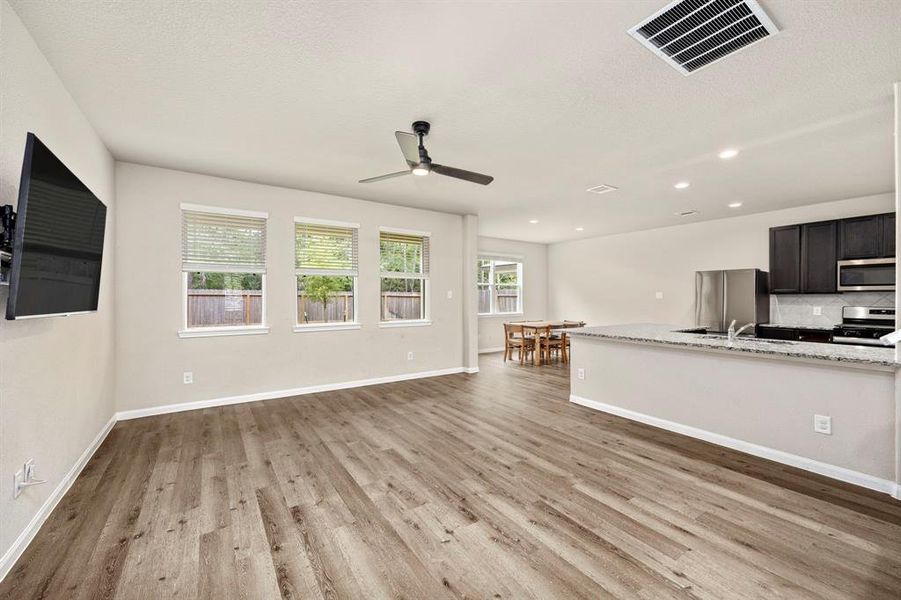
point(681, 185)
point(580, 229)
point(728, 153)
point(533, 221)
point(602, 189)
point(734, 204)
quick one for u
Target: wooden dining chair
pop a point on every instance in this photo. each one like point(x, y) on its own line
point(516, 337)
point(556, 342)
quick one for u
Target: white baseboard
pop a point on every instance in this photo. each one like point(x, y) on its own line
point(312, 389)
point(488, 350)
point(470, 369)
point(842, 474)
point(18, 547)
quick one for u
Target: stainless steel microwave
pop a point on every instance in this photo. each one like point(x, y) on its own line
point(868, 274)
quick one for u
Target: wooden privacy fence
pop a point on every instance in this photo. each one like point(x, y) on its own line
point(506, 301)
point(340, 307)
point(402, 305)
point(208, 308)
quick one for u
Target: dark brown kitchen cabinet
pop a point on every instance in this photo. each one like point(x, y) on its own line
point(785, 259)
point(888, 235)
point(860, 237)
point(796, 334)
point(803, 257)
point(815, 335)
point(818, 257)
point(776, 333)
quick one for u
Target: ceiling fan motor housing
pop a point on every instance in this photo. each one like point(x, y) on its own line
point(421, 127)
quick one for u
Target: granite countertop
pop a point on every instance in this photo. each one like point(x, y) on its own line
point(799, 326)
point(675, 335)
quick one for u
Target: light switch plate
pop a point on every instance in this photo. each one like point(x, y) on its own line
point(189, 377)
point(580, 373)
point(450, 294)
point(18, 479)
point(822, 424)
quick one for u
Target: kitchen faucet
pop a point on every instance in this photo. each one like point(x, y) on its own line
point(732, 333)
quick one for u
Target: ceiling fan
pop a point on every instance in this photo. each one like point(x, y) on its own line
point(418, 160)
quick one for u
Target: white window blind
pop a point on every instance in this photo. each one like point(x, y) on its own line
point(404, 255)
point(223, 242)
point(325, 249)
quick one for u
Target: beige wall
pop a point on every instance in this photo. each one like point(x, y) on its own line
point(614, 279)
point(534, 257)
point(56, 374)
point(686, 387)
point(151, 356)
point(470, 304)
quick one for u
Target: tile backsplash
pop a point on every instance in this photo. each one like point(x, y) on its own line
point(797, 309)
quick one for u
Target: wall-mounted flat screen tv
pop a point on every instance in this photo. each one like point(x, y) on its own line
point(58, 243)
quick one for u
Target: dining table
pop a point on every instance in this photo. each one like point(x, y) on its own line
point(538, 326)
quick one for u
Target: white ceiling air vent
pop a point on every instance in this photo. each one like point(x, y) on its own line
point(602, 189)
point(692, 34)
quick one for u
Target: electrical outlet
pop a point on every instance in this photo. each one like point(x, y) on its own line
point(658, 295)
point(580, 373)
point(189, 377)
point(450, 294)
point(409, 356)
point(817, 311)
point(18, 480)
point(822, 424)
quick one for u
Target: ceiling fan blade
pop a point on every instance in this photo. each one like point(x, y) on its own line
point(461, 174)
point(409, 145)
point(381, 177)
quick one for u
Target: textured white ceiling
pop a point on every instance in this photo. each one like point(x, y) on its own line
point(549, 97)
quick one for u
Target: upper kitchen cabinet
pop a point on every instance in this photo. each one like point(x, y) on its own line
point(803, 257)
point(818, 257)
point(861, 237)
point(888, 235)
point(785, 259)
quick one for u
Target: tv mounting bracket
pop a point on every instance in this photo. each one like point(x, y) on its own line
point(7, 234)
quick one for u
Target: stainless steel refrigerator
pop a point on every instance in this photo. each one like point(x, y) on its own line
point(741, 295)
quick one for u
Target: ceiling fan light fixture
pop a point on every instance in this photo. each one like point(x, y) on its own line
point(416, 156)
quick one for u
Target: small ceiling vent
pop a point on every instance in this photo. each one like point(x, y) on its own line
point(692, 34)
point(602, 189)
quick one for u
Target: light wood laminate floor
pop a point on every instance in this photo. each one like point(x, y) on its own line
point(463, 486)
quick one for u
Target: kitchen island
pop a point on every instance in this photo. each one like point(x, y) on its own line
point(753, 395)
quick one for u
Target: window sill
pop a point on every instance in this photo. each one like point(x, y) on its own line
point(325, 327)
point(222, 331)
point(496, 315)
point(412, 323)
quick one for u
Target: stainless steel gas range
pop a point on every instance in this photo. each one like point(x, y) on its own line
point(864, 325)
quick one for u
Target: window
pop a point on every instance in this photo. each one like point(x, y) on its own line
point(223, 270)
point(500, 286)
point(326, 268)
point(404, 266)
